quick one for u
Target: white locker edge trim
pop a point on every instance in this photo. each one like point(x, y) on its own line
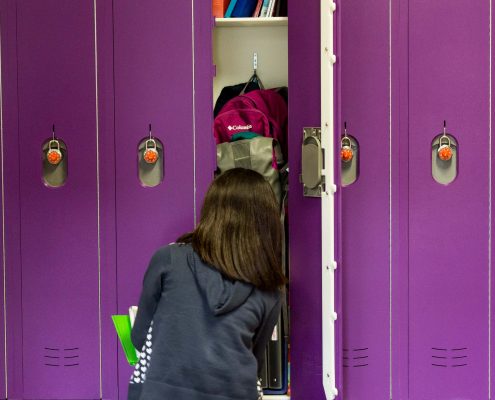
point(327, 200)
point(98, 201)
point(4, 265)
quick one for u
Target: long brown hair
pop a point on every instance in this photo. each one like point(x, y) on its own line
point(240, 232)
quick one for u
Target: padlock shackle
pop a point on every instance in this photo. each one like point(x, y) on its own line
point(57, 143)
point(444, 136)
point(152, 141)
point(345, 138)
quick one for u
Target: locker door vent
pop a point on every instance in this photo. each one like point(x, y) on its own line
point(61, 357)
point(356, 357)
point(443, 357)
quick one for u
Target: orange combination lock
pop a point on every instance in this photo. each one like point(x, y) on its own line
point(54, 155)
point(346, 152)
point(445, 152)
point(150, 154)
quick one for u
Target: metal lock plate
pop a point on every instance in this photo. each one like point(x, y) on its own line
point(444, 169)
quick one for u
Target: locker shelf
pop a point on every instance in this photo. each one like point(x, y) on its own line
point(239, 22)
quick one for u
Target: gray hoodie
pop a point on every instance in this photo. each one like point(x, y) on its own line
point(209, 333)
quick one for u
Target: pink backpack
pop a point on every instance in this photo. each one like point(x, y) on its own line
point(261, 111)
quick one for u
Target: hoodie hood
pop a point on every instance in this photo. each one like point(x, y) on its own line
point(222, 294)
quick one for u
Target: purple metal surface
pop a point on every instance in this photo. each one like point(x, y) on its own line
point(203, 81)
point(400, 201)
point(56, 84)
point(365, 252)
point(3, 315)
point(153, 84)
point(110, 345)
point(492, 120)
point(305, 213)
point(448, 225)
point(12, 215)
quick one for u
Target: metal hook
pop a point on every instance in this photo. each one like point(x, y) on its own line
point(255, 62)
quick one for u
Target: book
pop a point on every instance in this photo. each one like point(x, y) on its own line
point(277, 8)
point(123, 327)
point(257, 10)
point(283, 8)
point(271, 8)
point(244, 8)
point(228, 13)
point(264, 8)
point(220, 7)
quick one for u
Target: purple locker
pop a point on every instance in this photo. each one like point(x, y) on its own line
point(429, 62)
point(11, 201)
point(304, 212)
point(153, 84)
point(365, 203)
point(449, 238)
point(59, 230)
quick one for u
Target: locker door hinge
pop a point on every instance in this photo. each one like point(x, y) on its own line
point(312, 158)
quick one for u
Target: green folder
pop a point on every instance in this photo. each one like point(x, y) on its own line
point(123, 327)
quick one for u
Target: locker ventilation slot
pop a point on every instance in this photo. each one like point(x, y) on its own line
point(61, 357)
point(442, 357)
point(356, 357)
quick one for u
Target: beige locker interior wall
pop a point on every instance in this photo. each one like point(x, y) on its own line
point(233, 49)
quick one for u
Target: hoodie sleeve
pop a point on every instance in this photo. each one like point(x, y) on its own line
point(150, 296)
point(265, 331)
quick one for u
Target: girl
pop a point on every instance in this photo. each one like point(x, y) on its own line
point(214, 298)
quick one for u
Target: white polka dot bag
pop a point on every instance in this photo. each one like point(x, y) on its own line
point(142, 366)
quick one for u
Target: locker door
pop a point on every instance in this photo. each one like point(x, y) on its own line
point(11, 299)
point(59, 231)
point(449, 238)
point(366, 202)
point(3, 314)
point(153, 67)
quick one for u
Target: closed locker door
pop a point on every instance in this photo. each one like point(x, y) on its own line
point(449, 239)
point(11, 334)
point(366, 202)
point(153, 67)
point(59, 231)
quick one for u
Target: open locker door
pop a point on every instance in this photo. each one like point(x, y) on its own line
point(328, 195)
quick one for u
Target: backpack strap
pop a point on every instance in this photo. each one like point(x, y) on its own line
point(243, 135)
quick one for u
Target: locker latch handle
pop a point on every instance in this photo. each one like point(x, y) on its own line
point(312, 163)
